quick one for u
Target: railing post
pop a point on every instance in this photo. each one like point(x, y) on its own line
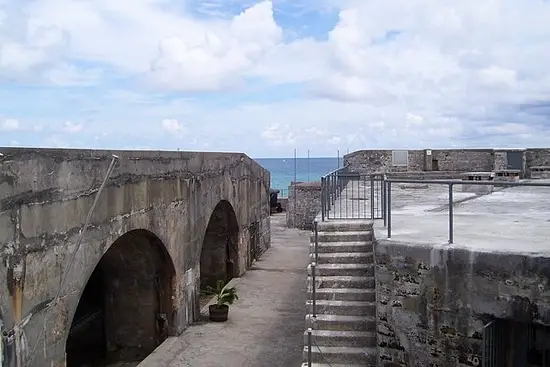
point(451, 214)
point(323, 189)
point(316, 243)
point(313, 291)
point(309, 343)
point(384, 204)
point(389, 209)
point(372, 197)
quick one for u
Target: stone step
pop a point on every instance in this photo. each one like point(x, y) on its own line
point(346, 258)
point(335, 225)
point(352, 308)
point(327, 247)
point(345, 269)
point(345, 294)
point(328, 281)
point(352, 236)
point(342, 338)
point(341, 322)
point(342, 355)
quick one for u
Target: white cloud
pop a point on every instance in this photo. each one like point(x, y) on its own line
point(71, 127)
point(388, 74)
point(279, 136)
point(10, 125)
point(172, 126)
point(214, 59)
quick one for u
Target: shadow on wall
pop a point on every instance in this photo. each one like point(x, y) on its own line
point(125, 310)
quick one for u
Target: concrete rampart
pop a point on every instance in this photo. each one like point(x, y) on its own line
point(433, 301)
point(165, 208)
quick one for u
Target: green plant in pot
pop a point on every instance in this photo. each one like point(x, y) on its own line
point(225, 296)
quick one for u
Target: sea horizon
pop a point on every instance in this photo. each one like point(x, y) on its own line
point(285, 170)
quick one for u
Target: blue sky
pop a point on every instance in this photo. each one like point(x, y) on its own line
point(265, 77)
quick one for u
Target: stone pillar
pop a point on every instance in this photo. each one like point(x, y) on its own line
point(428, 157)
point(304, 203)
point(500, 160)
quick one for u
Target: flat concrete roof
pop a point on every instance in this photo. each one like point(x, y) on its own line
point(514, 219)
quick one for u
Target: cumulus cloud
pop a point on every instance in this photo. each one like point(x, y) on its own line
point(385, 74)
point(207, 59)
point(71, 127)
point(9, 125)
point(172, 126)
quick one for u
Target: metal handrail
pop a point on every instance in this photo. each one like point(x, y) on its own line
point(335, 182)
point(450, 183)
point(313, 288)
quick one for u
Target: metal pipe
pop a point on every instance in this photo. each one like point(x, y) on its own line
point(372, 197)
point(313, 292)
point(294, 189)
point(309, 358)
point(316, 243)
point(384, 204)
point(467, 182)
point(389, 209)
point(451, 234)
point(323, 200)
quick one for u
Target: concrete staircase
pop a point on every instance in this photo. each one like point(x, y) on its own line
point(344, 329)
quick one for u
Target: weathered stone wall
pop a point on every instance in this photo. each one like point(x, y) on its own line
point(536, 157)
point(434, 301)
point(464, 160)
point(370, 161)
point(500, 160)
point(304, 203)
point(45, 195)
point(461, 160)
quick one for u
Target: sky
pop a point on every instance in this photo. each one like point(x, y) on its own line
point(268, 77)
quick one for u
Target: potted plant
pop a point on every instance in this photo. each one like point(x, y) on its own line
point(225, 296)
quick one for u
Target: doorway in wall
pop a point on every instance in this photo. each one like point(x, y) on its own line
point(509, 343)
point(125, 310)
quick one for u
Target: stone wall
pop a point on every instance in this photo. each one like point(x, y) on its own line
point(304, 203)
point(434, 301)
point(536, 157)
point(45, 195)
point(461, 160)
point(464, 160)
point(500, 160)
point(456, 160)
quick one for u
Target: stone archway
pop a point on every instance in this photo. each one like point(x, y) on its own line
point(125, 310)
point(220, 255)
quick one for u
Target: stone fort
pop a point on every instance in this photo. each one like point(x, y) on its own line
point(414, 269)
point(105, 252)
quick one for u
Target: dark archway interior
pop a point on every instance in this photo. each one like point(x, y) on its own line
point(125, 311)
point(219, 255)
point(510, 343)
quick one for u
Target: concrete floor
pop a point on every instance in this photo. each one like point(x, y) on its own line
point(265, 326)
point(514, 219)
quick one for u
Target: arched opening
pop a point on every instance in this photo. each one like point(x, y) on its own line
point(219, 255)
point(125, 311)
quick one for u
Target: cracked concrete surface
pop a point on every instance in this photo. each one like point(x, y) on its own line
point(265, 325)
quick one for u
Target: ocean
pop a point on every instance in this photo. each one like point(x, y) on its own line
point(307, 169)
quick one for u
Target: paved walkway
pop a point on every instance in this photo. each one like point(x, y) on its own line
point(265, 325)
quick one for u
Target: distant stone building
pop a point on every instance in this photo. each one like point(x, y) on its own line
point(448, 160)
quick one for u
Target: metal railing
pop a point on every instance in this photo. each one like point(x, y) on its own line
point(314, 256)
point(387, 187)
point(351, 195)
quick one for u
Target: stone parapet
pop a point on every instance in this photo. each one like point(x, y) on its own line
point(304, 203)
